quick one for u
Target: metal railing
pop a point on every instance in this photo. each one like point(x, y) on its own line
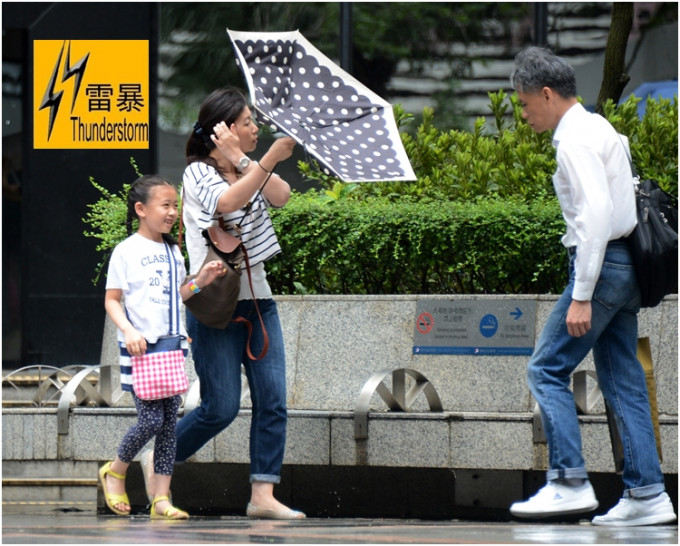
point(84, 385)
point(398, 399)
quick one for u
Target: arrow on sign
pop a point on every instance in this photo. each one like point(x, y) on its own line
point(517, 313)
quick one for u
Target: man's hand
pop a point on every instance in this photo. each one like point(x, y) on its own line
point(578, 318)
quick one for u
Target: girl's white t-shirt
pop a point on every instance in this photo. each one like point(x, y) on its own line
point(140, 268)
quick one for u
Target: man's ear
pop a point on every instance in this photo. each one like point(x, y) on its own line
point(547, 94)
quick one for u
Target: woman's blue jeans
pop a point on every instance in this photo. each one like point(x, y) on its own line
point(613, 340)
point(218, 355)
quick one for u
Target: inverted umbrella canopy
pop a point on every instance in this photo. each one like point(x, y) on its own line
point(297, 90)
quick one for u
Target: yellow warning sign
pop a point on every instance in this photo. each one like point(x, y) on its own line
point(91, 94)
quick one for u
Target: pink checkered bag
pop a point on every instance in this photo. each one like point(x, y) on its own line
point(159, 373)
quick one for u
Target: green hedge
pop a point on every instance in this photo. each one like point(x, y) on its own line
point(653, 139)
point(492, 246)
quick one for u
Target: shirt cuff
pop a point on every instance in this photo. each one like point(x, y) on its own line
point(582, 291)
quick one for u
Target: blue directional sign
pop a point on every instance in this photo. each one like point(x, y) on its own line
point(471, 326)
point(517, 313)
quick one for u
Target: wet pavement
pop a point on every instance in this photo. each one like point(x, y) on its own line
point(31, 523)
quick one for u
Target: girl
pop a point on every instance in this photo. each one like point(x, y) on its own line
point(139, 271)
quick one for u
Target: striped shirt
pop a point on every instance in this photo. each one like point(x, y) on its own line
point(203, 187)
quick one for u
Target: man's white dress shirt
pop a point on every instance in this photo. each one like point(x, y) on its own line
point(594, 185)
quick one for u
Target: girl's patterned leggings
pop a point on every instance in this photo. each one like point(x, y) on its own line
point(155, 418)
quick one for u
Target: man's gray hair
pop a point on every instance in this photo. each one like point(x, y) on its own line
point(536, 68)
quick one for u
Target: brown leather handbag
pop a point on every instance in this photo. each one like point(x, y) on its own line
point(215, 304)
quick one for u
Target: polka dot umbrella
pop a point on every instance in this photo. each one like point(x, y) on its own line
point(295, 89)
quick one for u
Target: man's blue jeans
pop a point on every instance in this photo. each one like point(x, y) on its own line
point(217, 356)
point(613, 339)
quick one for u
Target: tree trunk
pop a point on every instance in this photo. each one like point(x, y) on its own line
point(614, 78)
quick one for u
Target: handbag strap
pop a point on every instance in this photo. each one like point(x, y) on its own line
point(244, 320)
point(247, 323)
point(250, 203)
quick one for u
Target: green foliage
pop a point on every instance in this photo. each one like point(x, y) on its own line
point(481, 218)
point(106, 219)
point(653, 139)
point(375, 246)
point(510, 158)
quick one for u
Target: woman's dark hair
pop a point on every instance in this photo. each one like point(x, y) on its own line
point(139, 192)
point(225, 104)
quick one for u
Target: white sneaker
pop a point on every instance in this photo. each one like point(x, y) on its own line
point(556, 499)
point(630, 512)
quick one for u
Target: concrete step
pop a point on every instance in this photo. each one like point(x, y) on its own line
point(49, 481)
point(474, 460)
point(444, 439)
point(52, 490)
point(486, 425)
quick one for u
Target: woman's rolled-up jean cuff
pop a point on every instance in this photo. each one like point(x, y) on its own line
point(268, 478)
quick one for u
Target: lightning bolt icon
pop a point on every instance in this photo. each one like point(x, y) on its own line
point(51, 99)
point(77, 70)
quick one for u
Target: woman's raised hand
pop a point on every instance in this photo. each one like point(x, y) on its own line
point(282, 148)
point(227, 142)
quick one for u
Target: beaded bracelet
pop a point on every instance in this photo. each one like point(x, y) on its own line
point(194, 287)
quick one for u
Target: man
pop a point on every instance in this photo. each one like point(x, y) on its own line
point(598, 308)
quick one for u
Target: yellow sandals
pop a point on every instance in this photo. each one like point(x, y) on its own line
point(171, 512)
point(113, 498)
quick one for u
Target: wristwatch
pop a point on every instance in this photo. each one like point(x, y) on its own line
point(243, 162)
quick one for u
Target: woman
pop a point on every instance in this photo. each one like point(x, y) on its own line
point(221, 181)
